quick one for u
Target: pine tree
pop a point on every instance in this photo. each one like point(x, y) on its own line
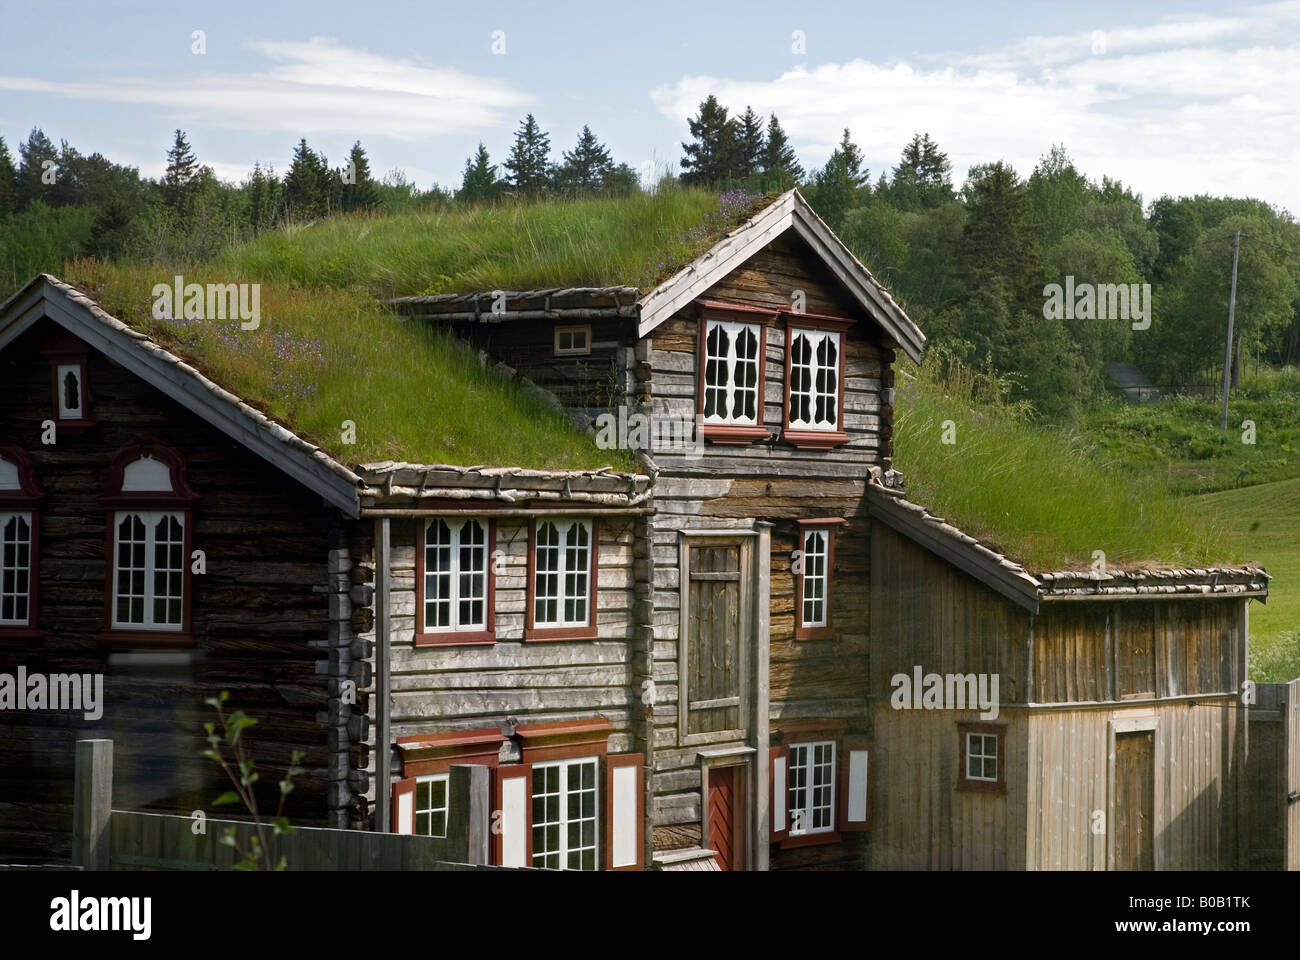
point(263, 198)
point(529, 160)
point(479, 183)
point(714, 157)
point(749, 136)
point(849, 157)
point(8, 180)
point(998, 243)
point(587, 167)
point(840, 185)
point(32, 158)
point(182, 170)
point(361, 193)
point(780, 165)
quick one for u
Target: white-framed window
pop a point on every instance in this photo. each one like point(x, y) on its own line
point(431, 805)
point(15, 569)
point(456, 575)
point(812, 787)
point(982, 756)
point(816, 551)
point(814, 379)
point(68, 377)
point(562, 554)
point(564, 814)
point(573, 341)
point(148, 569)
point(732, 358)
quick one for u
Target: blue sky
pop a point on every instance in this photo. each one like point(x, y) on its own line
point(1169, 97)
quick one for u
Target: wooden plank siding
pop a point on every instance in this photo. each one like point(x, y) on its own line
point(259, 612)
point(441, 688)
point(1199, 753)
point(734, 487)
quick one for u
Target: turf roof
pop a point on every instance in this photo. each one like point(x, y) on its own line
point(327, 351)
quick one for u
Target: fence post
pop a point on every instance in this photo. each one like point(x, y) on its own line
point(92, 799)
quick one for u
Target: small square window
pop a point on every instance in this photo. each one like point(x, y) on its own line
point(573, 341)
point(983, 757)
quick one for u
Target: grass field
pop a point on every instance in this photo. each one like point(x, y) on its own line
point(1263, 524)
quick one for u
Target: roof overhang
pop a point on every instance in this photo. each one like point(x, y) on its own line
point(47, 297)
point(788, 212)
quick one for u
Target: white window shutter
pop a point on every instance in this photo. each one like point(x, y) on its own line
point(855, 784)
point(514, 806)
point(404, 806)
point(624, 811)
point(780, 766)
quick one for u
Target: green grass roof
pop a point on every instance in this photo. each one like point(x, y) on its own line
point(1037, 493)
point(327, 352)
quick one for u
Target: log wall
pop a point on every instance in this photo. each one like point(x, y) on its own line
point(258, 614)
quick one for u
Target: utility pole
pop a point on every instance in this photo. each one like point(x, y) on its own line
point(1232, 307)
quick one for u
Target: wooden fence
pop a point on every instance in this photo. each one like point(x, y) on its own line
point(1270, 795)
point(104, 838)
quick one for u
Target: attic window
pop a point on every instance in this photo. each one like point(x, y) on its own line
point(70, 402)
point(573, 341)
point(815, 381)
point(731, 365)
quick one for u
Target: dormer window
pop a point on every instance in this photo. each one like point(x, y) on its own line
point(19, 547)
point(150, 517)
point(70, 402)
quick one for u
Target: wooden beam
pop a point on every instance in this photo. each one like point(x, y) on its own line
point(92, 810)
point(383, 617)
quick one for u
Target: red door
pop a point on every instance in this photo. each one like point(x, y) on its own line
point(722, 804)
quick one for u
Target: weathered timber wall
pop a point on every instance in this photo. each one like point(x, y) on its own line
point(258, 613)
point(920, 819)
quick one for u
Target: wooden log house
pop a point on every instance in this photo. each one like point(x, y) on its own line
point(681, 668)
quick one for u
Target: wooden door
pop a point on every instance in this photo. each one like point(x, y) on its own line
point(1133, 807)
point(727, 806)
point(716, 621)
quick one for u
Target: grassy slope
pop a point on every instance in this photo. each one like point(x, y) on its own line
point(1037, 493)
point(1263, 522)
point(326, 352)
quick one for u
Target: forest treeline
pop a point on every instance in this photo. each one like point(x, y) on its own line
point(969, 262)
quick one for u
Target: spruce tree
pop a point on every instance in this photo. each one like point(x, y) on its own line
point(840, 185)
point(306, 186)
point(479, 183)
point(263, 198)
point(922, 178)
point(529, 160)
point(998, 242)
point(781, 168)
point(585, 169)
point(714, 156)
point(8, 180)
point(182, 170)
point(32, 158)
point(361, 193)
point(749, 132)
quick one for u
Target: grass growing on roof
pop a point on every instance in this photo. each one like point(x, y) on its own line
point(1038, 493)
point(323, 355)
point(633, 241)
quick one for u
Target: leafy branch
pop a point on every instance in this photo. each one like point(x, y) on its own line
point(225, 739)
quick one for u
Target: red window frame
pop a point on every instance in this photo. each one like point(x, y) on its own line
point(454, 638)
point(825, 631)
point(180, 499)
point(26, 499)
point(964, 783)
point(591, 630)
point(62, 349)
point(802, 437)
point(740, 434)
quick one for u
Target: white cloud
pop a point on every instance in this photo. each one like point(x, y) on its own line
point(1190, 105)
point(314, 87)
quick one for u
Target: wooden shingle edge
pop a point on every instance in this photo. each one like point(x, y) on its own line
point(789, 211)
point(47, 296)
